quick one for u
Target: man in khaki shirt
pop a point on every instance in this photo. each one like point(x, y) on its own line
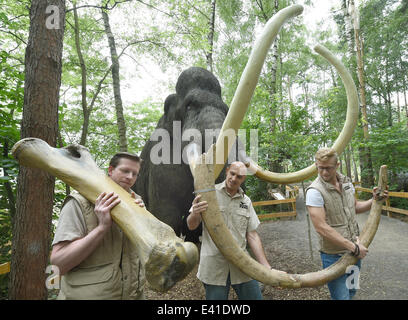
point(216, 273)
point(94, 257)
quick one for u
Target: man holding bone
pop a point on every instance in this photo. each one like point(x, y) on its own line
point(332, 207)
point(216, 273)
point(94, 257)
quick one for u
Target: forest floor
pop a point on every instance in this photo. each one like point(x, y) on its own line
point(287, 246)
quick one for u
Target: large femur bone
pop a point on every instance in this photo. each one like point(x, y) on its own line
point(166, 257)
point(203, 173)
point(246, 87)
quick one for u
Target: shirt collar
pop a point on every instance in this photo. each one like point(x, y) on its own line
point(340, 177)
point(221, 187)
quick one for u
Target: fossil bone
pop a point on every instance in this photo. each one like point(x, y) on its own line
point(246, 87)
point(207, 169)
point(166, 257)
point(203, 173)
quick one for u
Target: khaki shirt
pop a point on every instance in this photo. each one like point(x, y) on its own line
point(112, 271)
point(240, 218)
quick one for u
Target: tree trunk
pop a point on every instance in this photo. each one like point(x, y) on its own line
point(398, 108)
point(35, 191)
point(7, 185)
point(116, 85)
point(84, 103)
point(356, 179)
point(210, 36)
point(347, 160)
point(387, 96)
point(348, 27)
point(368, 177)
point(272, 67)
point(406, 104)
point(404, 88)
point(276, 165)
point(289, 85)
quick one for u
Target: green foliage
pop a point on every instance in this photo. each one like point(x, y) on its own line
point(390, 147)
point(298, 106)
point(11, 103)
point(142, 119)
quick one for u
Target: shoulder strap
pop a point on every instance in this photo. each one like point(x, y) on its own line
point(87, 209)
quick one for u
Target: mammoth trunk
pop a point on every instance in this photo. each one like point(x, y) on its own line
point(194, 113)
point(204, 129)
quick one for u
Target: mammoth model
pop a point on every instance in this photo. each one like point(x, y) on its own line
point(168, 258)
point(194, 112)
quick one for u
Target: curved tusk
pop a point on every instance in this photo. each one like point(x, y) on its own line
point(248, 82)
point(342, 140)
point(245, 90)
point(225, 242)
point(167, 259)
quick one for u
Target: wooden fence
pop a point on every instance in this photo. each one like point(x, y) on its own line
point(292, 192)
point(5, 268)
point(387, 206)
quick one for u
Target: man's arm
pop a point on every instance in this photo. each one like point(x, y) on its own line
point(255, 243)
point(318, 216)
point(68, 254)
point(364, 206)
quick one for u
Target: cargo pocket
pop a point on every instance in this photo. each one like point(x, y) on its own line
point(241, 219)
point(90, 275)
point(336, 220)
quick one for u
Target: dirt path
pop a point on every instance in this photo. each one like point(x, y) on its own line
point(383, 273)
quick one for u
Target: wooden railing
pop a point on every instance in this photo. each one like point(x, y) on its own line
point(292, 192)
point(387, 206)
point(5, 268)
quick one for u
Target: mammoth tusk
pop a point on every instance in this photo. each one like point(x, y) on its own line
point(246, 87)
point(214, 222)
point(342, 140)
point(167, 259)
point(248, 82)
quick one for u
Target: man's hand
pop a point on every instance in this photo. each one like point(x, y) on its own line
point(364, 206)
point(197, 206)
point(103, 206)
point(138, 201)
point(363, 250)
point(377, 194)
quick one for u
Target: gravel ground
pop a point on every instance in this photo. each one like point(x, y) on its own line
point(383, 275)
